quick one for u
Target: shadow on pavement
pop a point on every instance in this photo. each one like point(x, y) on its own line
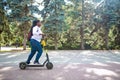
point(63, 72)
point(69, 65)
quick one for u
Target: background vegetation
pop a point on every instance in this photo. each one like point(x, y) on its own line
point(69, 24)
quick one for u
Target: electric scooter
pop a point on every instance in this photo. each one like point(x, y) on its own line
point(49, 65)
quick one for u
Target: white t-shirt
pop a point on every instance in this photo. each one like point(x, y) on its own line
point(36, 31)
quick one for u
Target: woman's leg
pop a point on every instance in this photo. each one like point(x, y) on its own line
point(33, 51)
point(39, 49)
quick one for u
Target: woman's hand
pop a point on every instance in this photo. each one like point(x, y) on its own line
point(42, 34)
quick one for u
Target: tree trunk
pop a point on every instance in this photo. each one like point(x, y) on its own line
point(106, 37)
point(82, 38)
point(0, 46)
point(81, 28)
point(24, 41)
point(56, 47)
point(0, 41)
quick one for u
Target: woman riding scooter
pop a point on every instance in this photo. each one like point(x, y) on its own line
point(35, 42)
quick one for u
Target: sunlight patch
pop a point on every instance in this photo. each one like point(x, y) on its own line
point(113, 62)
point(116, 52)
point(99, 64)
point(4, 54)
point(87, 52)
point(5, 68)
point(87, 75)
point(60, 78)
point(102, 72)
point(108, 78)
point(11, 56)
point(71, 66)
point(116, 62)
point(1, 77)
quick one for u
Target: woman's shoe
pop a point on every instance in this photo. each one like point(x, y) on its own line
point(27, 62)
point(36, 62)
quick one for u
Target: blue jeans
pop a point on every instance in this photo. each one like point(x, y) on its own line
point(35, 46)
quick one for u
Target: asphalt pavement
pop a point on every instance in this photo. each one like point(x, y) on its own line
point(68, 65)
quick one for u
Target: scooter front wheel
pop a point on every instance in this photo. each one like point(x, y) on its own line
point(22, 65)
point(49, 65)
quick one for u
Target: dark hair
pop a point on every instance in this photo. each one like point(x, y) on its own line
point(35, 22)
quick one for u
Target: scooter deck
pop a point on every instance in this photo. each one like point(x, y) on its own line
point(33, 65)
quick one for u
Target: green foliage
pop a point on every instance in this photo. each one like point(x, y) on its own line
point(20, 14)
point(62, 22)
point(23, 11)
point(53, 15)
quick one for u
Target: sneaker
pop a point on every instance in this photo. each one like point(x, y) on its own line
point(27, 62)
point(36, 62)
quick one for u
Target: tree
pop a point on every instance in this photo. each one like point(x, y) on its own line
point(3, 20)
point(107, 16)
point(23, 14)
point(78, 19)
point(71, 24)
point(53, 16)
point(83, 24)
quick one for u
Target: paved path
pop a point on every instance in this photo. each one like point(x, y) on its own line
point(68, 65)
point(11, 48)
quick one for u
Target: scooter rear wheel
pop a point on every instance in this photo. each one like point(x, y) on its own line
point(22, 65)
point(49, 65)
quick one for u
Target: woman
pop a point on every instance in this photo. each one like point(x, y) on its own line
point(35, 42)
